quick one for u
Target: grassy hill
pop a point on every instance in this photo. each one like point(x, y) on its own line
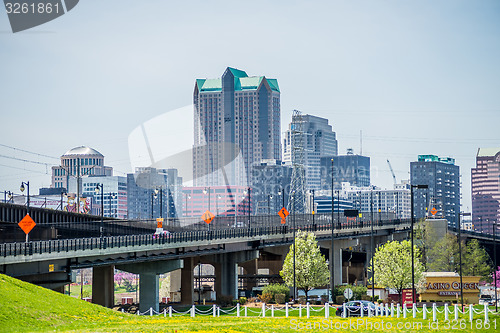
point(25, 307)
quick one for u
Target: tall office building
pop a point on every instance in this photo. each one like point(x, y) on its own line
point(319, 140)
point(485, 178)
point(114, 203)
point(271, 186)
point(443, 178)
point(236, 123)
point(79, 162)
point(154, 193)
point(350, 168)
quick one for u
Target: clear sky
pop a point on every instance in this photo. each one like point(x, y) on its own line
point(417, 77)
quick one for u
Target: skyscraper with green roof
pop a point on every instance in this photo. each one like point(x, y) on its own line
point(236, 124)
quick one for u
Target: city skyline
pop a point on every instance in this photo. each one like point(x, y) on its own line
point(427, 87)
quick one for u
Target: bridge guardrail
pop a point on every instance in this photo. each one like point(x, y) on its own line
point(10, 232)
point(185, 236)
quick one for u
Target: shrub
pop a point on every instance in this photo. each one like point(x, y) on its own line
point(265, 297)
point(357, 291)
point(275, 288)
point(339, 299)
point(242, 300)
point(224, 300)
point(280, 298)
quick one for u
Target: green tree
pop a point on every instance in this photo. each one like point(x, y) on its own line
point(443, 255)
point(423, 234)
point(311, 270)
point(476, 261)
point(392, 264)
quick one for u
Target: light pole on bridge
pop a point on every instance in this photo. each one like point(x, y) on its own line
point(100, 187)
point(411, 231)
point(331, 248)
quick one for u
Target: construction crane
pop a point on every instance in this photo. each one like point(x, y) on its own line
point(392, 171)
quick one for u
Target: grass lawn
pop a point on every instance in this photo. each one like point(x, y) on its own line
point(28, 308)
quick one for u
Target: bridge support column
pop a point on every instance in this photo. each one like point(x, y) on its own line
point(251, 269)
point(149, 286)
point(187, 281)
point(226, 271)
point(103, 285)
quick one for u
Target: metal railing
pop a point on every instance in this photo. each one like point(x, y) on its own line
point(192, 233)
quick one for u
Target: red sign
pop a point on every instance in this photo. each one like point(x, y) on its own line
point(27, 224)
point(207, 217)
point(407, 299)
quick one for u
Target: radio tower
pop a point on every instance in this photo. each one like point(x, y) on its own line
point(297, 199)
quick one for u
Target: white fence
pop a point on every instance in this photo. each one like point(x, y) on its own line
point(307, 311)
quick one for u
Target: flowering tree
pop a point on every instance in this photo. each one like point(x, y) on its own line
point(125, 279)
point(392, 264)
point(311, 270)
point(498, 277)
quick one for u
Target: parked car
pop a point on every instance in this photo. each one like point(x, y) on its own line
point(486, 299)
point(353, 308)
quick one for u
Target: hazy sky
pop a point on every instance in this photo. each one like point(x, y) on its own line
point(417, 77)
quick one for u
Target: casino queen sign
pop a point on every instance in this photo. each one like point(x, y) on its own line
point(445, 286)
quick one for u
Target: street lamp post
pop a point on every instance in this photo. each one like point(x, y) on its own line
point(282, 193)
point(100, 187)
point(411, 231)
point(294, 248)
point(338, 208)
point(495, 262)
point(313, 211)
point(153, 196)
point(188, 196)
point(111, 196)
point(207, 190)
point(217, 203)
point(269, 197)
point(372, 246)
point(7, 193)
point(331, 248)
point(28, 200)
point(460, 256)
point(161, 202)
point(62, 194)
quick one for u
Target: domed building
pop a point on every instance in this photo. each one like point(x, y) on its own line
point(79, 161)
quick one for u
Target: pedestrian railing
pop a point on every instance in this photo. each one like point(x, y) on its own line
point(327, 311)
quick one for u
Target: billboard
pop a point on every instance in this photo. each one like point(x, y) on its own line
point(54, 202)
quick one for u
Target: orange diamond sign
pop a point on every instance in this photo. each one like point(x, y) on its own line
point(433, 211)
point(283, 213)
point(207, 217)
point(159, 222)
point(27, 224)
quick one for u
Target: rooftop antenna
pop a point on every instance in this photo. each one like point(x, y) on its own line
point(360, 142)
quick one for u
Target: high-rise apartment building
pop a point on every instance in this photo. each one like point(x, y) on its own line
point(350, 168)
point(443, 178)
point(114, 203)
point(271, 186)
point(485, 179)
point(319, 140)
point(236, 123)
point(154, 193)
